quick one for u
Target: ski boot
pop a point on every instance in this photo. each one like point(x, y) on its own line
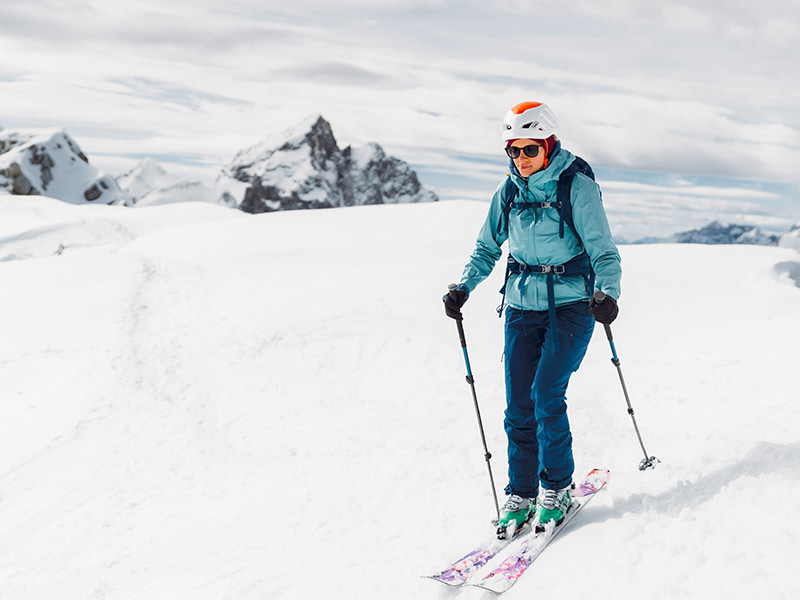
point(553, 506)
point(515, 513)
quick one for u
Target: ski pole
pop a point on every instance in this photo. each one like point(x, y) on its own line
point(471, 381)
point(648, 462)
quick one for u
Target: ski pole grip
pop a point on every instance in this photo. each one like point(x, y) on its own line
point(599, 297)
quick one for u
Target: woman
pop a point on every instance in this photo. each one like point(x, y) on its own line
point(553, 272)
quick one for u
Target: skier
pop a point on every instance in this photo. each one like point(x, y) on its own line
point(557, 257)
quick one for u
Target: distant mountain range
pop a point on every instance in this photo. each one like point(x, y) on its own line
point(302, 167)
point(717, 233)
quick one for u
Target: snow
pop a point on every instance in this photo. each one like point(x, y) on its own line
point(288, 145)
point(146, 176)
point(185, 191)
point(149, 184)
point(204, 404)
point(364, 155)
point(791, 239)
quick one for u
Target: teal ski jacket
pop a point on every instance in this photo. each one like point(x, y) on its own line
point(533, 239)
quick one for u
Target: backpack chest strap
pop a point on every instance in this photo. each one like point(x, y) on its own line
point(524, 205)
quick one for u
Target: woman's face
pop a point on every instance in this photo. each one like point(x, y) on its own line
point(527, 165)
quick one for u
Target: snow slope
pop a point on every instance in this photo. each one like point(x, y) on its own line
point(192, 396)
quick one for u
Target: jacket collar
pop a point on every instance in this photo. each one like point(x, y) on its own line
point(560, 159)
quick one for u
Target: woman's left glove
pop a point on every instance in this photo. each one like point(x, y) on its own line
point(604, 311)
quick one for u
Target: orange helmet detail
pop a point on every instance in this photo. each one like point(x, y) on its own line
point(523, 106)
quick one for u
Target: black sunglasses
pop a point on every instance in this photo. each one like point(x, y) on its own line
point(530, 151)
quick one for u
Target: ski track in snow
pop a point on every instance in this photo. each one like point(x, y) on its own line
point(192, 395)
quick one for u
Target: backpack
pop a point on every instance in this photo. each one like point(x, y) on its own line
point(578, 265)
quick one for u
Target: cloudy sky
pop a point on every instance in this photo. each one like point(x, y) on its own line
point(685, 102)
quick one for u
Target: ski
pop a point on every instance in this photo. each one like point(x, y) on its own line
point(460, 571)
point(505, 575)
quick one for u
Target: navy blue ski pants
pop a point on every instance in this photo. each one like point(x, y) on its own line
point(539, 438)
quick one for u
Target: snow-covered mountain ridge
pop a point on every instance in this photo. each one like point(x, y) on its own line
point(50, 163)
point(731, 233)
point(305, 168)
point(302, 167)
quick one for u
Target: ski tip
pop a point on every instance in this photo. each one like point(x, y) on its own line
point(599, 476)
point(594, 481)
point(600, 471)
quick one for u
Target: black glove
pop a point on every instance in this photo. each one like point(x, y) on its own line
point(453, 301)
point(604, 311)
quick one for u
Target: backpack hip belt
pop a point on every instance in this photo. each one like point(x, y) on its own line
point(578, 265)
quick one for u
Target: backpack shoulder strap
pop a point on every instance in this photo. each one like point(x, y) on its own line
point(564, 192)
point(510, 195)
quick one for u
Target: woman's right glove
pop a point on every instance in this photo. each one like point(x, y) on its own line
point(453, 301)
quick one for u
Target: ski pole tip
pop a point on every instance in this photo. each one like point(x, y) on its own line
point(648, 463)
point(452, 286)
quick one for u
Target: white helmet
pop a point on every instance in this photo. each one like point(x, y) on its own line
point(529, 120)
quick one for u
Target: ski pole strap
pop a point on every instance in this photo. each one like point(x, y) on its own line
point(578, 265)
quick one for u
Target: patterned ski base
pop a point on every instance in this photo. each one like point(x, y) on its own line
point(505, 575)
point(464, 568)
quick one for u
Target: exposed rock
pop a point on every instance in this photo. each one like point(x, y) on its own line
point(304, 168)
point(51, 164)
point(300, 168)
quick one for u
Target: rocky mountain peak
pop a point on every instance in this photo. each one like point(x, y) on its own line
point(50, 163)
point(312, 137)
point(304, 168)
point(318, 137)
